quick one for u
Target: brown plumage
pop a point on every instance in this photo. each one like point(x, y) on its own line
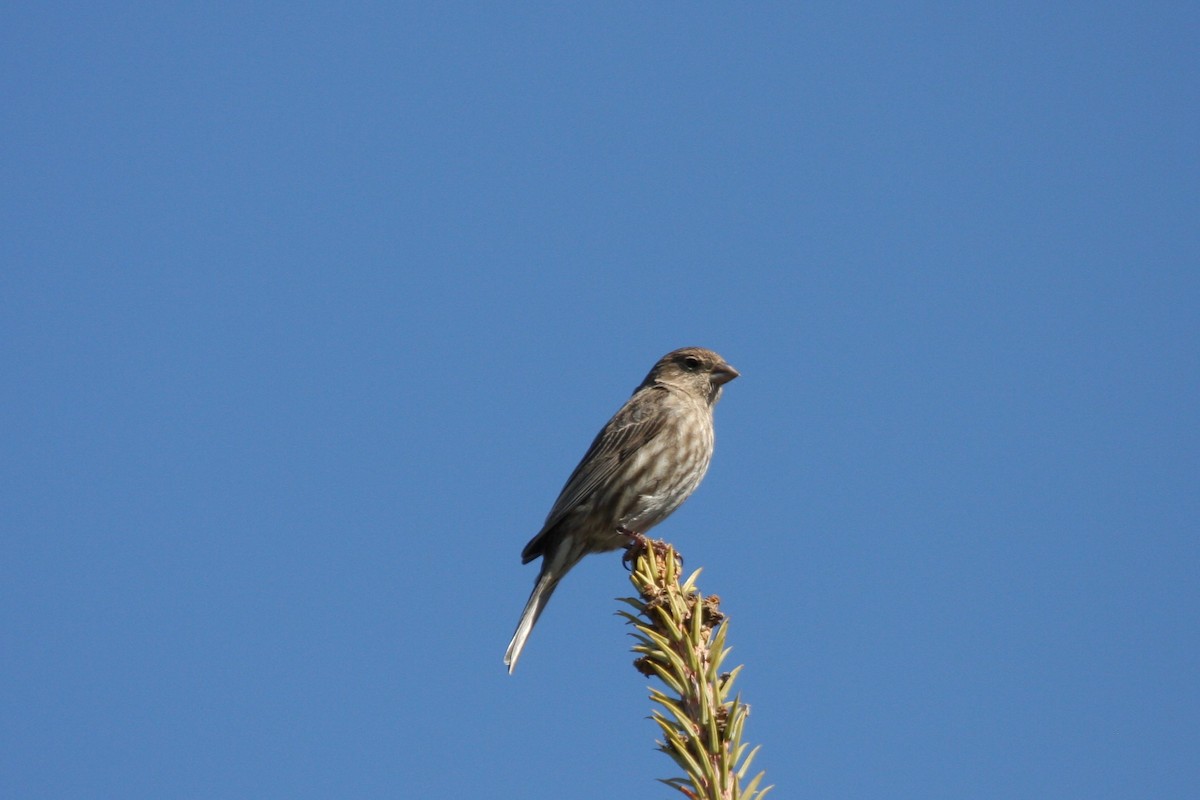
point(641, 466)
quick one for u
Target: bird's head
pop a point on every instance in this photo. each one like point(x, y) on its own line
point(695, 369)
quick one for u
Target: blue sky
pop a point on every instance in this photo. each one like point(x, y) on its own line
point(308, 311)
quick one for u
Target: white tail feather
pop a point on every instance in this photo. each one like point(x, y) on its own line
point(555, 563)
point(533, 609)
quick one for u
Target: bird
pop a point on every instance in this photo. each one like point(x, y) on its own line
point(642, 465)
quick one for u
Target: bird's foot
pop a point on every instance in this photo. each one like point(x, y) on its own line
point(636, 544)
point(639, 543)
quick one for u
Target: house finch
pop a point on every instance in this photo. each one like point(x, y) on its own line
point(641, 466)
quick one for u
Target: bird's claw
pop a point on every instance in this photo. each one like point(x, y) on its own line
point(637, 542)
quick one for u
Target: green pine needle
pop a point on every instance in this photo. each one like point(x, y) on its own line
point(680, 637)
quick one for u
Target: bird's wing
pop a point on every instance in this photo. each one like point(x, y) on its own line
point(638, 421)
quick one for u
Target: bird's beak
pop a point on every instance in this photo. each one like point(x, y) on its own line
point(723, 373)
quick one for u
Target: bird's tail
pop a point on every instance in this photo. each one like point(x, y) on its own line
point(554, 566)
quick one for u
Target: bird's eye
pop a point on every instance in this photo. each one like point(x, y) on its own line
point(692, 363)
